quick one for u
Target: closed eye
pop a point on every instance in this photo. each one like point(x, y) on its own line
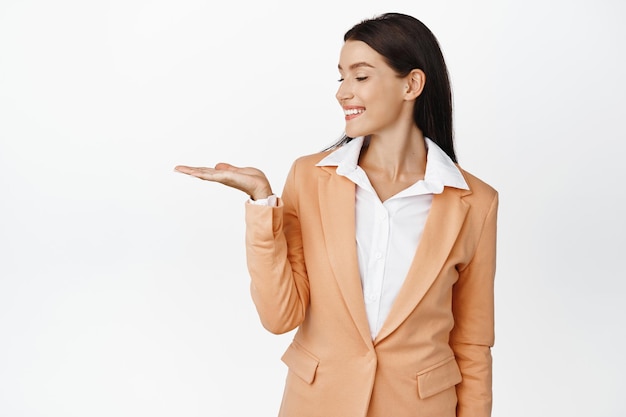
point(356, 78)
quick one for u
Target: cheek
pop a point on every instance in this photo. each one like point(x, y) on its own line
point(386, 108)
point(387, 96)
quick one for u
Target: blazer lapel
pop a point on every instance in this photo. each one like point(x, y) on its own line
point(337, 205)
point(447, 214)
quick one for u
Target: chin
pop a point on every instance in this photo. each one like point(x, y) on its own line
point(355, 133)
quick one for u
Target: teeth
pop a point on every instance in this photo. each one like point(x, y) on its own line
point(350, 112)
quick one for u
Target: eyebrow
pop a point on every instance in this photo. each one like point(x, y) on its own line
point(358, 65)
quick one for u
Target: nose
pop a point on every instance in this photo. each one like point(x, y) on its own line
point(344, 92)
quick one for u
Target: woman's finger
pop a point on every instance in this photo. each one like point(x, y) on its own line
point(184, 169)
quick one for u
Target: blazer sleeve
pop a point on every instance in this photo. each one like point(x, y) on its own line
point(473, 333)
point(279, 284)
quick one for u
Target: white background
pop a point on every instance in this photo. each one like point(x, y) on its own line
point(123, 287)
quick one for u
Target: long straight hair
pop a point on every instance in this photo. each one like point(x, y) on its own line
point(407, 44)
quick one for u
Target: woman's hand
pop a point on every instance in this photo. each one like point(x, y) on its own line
point(249, 180)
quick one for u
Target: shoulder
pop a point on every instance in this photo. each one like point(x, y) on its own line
point(304, 171)
point(476, 185)
point(307, 164)
point(482, 195)
point(311, 159)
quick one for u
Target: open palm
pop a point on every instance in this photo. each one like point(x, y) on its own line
point(251, 181)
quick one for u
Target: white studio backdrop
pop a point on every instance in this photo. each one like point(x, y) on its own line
point(123, 286)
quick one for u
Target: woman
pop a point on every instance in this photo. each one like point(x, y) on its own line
point(381, 250)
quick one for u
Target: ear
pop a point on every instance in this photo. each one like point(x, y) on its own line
point(415, 82)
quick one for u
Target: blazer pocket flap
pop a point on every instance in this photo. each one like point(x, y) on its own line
point(437, 378)
point(301, 362)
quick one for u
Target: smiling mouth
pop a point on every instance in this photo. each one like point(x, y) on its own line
point(353, 112)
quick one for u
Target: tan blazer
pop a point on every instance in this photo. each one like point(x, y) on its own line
point(434, 347)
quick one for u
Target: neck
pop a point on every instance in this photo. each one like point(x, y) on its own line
point(396, 154)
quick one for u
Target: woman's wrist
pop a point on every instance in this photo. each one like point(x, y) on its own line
point(262, 194)
point(270, 201)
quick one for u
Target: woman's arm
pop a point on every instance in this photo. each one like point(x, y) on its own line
point(473, 333)
point(279, 287)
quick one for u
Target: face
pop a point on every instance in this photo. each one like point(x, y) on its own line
point(372, 95)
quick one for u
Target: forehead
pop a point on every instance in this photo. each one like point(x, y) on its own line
point(355, 54)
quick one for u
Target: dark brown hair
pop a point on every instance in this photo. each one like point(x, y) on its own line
point(407, 44)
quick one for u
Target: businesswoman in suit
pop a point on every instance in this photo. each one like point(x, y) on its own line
point(381, 250)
